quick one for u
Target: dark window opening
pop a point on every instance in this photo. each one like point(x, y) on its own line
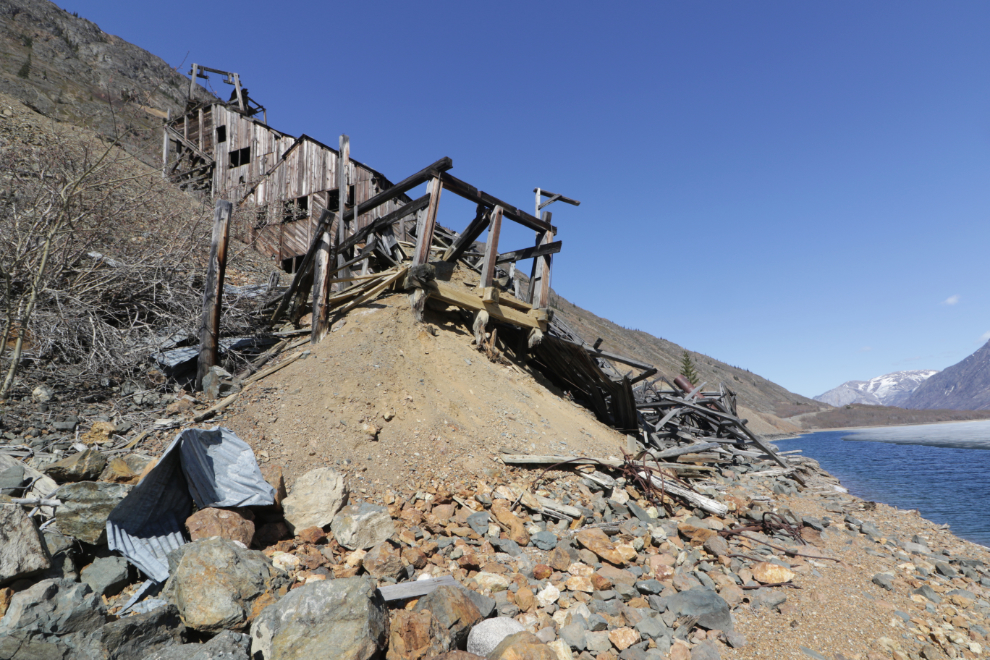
point(296, 209)
point(350, 195)
point(240, 157)
point(221, 134)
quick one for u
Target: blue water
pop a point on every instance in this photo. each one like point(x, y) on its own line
point(943, 470)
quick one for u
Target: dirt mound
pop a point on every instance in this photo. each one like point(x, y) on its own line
point(442, 407)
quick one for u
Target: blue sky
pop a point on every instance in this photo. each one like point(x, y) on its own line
point(799, 189)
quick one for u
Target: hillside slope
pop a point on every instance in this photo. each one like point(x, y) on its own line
point(963, 386)
point(67, 68)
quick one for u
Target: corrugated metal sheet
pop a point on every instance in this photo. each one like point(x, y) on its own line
point(211, 467)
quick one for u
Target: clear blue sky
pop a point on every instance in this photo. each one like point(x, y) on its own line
point(799, 189)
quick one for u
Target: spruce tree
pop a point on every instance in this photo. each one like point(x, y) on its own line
point(687, 369)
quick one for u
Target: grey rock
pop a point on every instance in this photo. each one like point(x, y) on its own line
point(710, 608)
point(546, 635)
point(962, 592)
point(107, 576)
point(228, 645)
point(485, 636)
point(597, 642)
point(42, 393)
point(946, 570)
point(62, 551)
point(652, 627)
point(870, 529)
point(85, 508)
point(485, 605)
point(767, 598)
point(12, 478)
point(916, 548)
point(133, 636)
point(219, 382)
point(625, 590)
point(362, 526)
point(705, 651)
point(812, 654)
point(634, 652)
point(885, 580)
point(575, 636)
point(658, 603)
point(597, 623)
point(507, 609)
point(53, 607)
point(508, 546)
point(717, 546)
point(639, 512)
point(21, 551)
point(544, 540)
point(454, 610)
point(649, 587)
point(813, 523)
point(735, 640)
point(479, 523)
point(216, 584)
point(928, 593)
point(333, 619)
point(83, 466)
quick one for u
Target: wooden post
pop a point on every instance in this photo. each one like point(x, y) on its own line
point(424, 238)
point(539, 280)
point(192, 79)
point(321, 277)
point(209, 328)
point(201, 136)
point(343, 164)
point(166, 143)
point(491, 249)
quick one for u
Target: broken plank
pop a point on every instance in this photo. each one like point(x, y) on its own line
point(454, 295)
point(415, 589)
point(530, 253)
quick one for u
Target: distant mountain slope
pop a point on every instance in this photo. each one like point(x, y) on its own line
point(963, 386)
point(887, 390)
point(67, 68)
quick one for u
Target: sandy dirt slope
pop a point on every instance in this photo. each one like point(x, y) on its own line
point(443, 408)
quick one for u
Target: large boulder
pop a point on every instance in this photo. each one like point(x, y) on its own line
point(522, 646)
point(343, 619)
point(710, 608)
point(83, 466)
point(53, 607)
point(230, 524)
point(217, 584)
point(316, 498)
point(21, 551)
point(228, 645)
point(488, 634)
point(415, 635)
point(362, 526)
point(85, 508)
point(452, 608)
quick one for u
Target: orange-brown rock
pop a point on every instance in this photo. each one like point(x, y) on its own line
point(623, 638)
point(525, 599)
point(312, 535)
point(416, 635)
point(310, 557)
point(617, 575)
point(469, 561)
point(5, 595)
point(502, 511)
point(768, 573)
point(231, 524)
point(415, 557)
point(600, 582)
point(443, 512)
point(522, 646)
point(412, 516)
point(273, 475)
point(383, 561)
point(453, 609)
point(542, 572)
point(597, 541)
point(559, 560)
point(696, 535)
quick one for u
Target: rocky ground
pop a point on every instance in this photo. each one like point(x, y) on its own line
point(787, 571)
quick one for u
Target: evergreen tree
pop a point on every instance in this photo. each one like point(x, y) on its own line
point(687, 369)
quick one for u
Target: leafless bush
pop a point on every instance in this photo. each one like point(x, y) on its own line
point(100, 260)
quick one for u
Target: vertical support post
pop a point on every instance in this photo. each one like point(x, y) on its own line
point(202, 142)
point(240, 97)
point(166, 143)
point(185, 126)
point(321, 276)
point(539, 280)
point(491, 249)
point(192, 80)
point(424, 237)
point(343, 165)
point(209, 327)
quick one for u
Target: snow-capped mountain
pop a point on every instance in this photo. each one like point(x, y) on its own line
point(887, 390)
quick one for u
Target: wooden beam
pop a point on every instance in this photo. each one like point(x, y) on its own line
point(613, 357)
point(529, 253)
point(453, 294)
point(385, 221)
point(321, 289)
point(491, 249)
point(469, 192)
point(556, 197)
point(343, 165)
point(469, 235)
point(424, 232)
point(541, 280)
point(209, 327)
point(187, 144)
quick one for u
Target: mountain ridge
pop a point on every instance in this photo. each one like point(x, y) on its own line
point(963, 386)
point(891, 389)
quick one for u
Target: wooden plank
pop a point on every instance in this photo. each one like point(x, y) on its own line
point(527, 459)
point(455, 295)
point(424, 232)
point(209, 328)
point(469, 192)
point(529, 253)
point(415, 589)
point(491, 249)
point(321, 289)
point(469, 235)
point(555, 197)
point(343, 165)
point(686, 449)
